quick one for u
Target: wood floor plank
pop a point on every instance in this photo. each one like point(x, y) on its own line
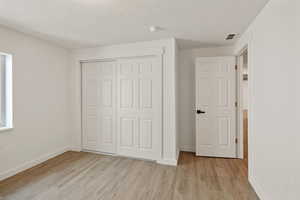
point(87, 176)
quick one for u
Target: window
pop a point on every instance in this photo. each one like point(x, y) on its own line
point(5, 91)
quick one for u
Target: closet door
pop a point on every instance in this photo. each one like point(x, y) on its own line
point(139, 107)
point(98, 106)
point(89, 106)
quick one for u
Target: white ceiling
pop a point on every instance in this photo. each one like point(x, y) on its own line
point(85, 23)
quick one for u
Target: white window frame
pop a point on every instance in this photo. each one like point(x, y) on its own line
point(6, 100)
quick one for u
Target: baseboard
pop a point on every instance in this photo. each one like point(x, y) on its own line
point(98, 152)
point(177, 154)
point(31, 163)
point(171, 162)
point(76, 148)
point(187, 148)
point(258, 189)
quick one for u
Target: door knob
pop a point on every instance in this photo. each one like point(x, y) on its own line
point(200, 112)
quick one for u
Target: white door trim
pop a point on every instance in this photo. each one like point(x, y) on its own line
point(240, 99)
point(142, 53)
point(246, 43)
point(248, 46)
point(240, 133)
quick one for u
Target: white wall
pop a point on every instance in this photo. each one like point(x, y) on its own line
point(40, 102)
point(129, 50)
point(186, 96)
point(274, 131)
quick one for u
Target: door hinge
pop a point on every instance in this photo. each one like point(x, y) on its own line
point(236, 140)
point(236, 67)
point(236, 104)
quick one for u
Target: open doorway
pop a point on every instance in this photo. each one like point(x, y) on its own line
point(243, 105)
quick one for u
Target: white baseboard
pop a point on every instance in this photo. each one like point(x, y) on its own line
point(98, 152)
point(177, 154)
point(171, 162)
point(76, 148)
point(187, 148)
point(258, 189)
point(31, 163)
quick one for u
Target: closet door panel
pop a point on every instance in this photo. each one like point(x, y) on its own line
point(127, 132)
point(89, 106)
point(145, 133)
point(150, 107)
point(140, 88)
point(98, 106)
point(106, 107)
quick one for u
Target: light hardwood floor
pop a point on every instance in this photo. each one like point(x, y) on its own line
point(87, 176)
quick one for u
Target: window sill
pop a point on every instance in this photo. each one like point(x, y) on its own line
point(5, 129)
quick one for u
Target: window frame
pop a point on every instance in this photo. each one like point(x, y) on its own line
point(7, 94)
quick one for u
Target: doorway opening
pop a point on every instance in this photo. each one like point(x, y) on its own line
point(243, 108)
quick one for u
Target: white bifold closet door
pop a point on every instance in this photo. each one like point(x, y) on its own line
point(99, 106)
point(122, 107)
point(139, 107)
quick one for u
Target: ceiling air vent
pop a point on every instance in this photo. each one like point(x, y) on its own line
point(230, 36)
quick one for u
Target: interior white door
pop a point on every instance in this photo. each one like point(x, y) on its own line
point(99, 106)
point(215, 107)
point(139, 107)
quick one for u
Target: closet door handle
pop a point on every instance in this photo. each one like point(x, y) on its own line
point(200, 112)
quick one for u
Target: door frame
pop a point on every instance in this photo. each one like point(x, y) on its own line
point(246, 42)
point(157, 53)
point(240, 98)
